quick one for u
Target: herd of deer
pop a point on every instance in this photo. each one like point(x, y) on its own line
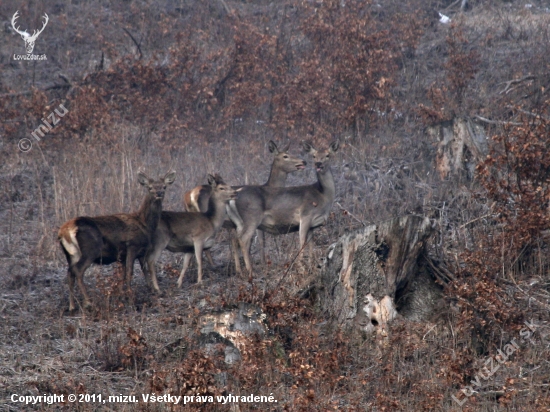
point(143, 235)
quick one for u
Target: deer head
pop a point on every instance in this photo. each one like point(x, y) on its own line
point(321, 157)
point(156, 188)
point(29, 40)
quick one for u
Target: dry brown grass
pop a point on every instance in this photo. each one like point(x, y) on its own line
point(382, 171)
point(46, 350)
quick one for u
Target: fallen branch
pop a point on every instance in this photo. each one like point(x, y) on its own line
point(483, 119)
point(509, 83)
point(442, 273)
point(474, 220)
point(225, 6)
point(535, 115)
point(451, 5)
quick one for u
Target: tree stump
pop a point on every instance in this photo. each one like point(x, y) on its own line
point(462, 144)
point(373, 272)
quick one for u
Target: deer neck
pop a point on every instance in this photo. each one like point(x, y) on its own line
point(149, 212)
point(325, 182)
point(216, 212)
point(277, 177)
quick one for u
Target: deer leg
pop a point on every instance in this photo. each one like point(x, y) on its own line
point(71, 277)
point(305, 226)
point(148, 274)
point(244, 242)
point(186, 259)
point(77, 271)
point(70, 280)
point(143, 266)
point(128, 269)
point(261, 244)
point(150, 270)
point(277, 248)
point(235, 252)
point(309, 240)
point(153, 274)
point(209, 257)
point(198, 255)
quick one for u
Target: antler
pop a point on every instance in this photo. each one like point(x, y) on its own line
point(37, 32)
point(22, 33)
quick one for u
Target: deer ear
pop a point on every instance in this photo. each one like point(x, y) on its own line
point(143, 179)
point(307, 147)
point(334, 146)
point(273, 147)
point(285, 149)
point(212, 181)
point(169, 177)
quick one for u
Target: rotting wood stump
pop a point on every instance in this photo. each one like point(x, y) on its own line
point(462, 144)
point(375, 272)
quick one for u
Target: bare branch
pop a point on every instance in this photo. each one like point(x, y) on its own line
point(509, 83)
point(135, 42)
point(225, 6)
point(450, 6)
point(483, 119)
point(535, 115)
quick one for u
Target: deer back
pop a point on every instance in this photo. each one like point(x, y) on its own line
point(180, 230)
point(282, 209)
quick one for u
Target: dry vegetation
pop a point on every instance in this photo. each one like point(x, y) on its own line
point(201, 87)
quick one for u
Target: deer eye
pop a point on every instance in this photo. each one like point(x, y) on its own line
point(285, 157)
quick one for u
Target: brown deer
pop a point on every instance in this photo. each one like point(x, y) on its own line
point(281, 210)
point(196, 200)
point(191, 232)
point(107, 239)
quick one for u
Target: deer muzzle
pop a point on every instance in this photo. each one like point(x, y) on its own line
point(301, 166)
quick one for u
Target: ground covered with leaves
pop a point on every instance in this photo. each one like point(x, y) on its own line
point(202, 87)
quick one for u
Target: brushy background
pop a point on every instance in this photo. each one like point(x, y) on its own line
point(201, 87)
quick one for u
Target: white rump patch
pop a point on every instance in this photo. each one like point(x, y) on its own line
point(195, 200)
point(72, 247)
